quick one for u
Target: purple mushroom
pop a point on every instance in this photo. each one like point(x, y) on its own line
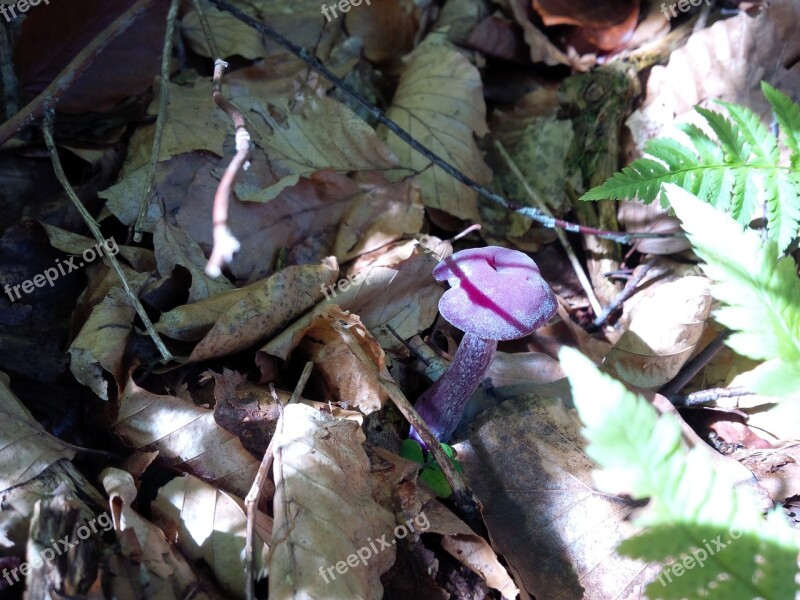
point(495, 294)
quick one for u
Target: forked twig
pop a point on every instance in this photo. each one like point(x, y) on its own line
point(47, 128)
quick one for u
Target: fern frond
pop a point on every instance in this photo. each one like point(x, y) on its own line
point(788, 115)
point(729, 172)
point(762, 143)
point(691, 504)
point(760, 292)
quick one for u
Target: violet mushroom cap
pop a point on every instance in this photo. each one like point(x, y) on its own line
point(495, 294)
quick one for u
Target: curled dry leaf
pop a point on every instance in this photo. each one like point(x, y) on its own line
point(726, 61)
point(325, 512)
point(26, 449)
point(191, 322)
point(396, 288)
point(469, 549)
point(264, 312)
point(100, 346)
point(664, 329)
point(526, 463)
point(186, 437)
point(154, 568)
point(439, 101)
point(337, 343)
point(236, 319)
point(211, 525)
point(542, 49)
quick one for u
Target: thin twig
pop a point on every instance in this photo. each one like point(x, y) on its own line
point(629, 290)
point(254, 495)
point(532, 213)
point(161, 119)
point(694, 366)
point(703, 397)
point(562, 237)
point(50, 97)
point(47, 128)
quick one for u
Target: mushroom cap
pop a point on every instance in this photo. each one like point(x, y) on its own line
point(495, 293)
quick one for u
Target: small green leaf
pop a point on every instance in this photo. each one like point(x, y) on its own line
point(437, 482)
point(412, 451)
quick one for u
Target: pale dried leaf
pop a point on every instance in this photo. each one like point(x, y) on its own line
point(439, 101)
point(26, 449)
point(526, 464)
point(263, 312)
point(162, 571)
point(100, 346)
point(315, 134)
point(187, 438)
point(468, 548)
point(726, 61)
point(191, 322)
point(397, 288)
point(664, 329)
point(142, 259)
point(523, 367)
point(211, 525)
point(324, 511)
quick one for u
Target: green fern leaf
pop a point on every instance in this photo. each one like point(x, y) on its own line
point(788, 115)
point(644, 452)
point(734, 172)
point(759, 292)
point(762, 143)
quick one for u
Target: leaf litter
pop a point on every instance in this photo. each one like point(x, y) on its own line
point(341, 224)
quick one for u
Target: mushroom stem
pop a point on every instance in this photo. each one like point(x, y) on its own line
point(442, 404)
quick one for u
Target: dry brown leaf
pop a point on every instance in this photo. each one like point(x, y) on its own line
point(726, 61)
point(142, 259)
point(26, 449)
point(191, 322)
point(439, 101)
point(468, 548)
point(542, 49)
point(312, 134)
point(325, 512)
point(211, 525)
point(523, 367)
point(652, 218)
point(263, 312)
point(396, 288)
point(664, 329)
point(156, 568)
point(100, 346)
point(605, 25)
point(388, 28)
point(337, 343)
point(186, 437)
point(173, 247)
point(526, 464)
